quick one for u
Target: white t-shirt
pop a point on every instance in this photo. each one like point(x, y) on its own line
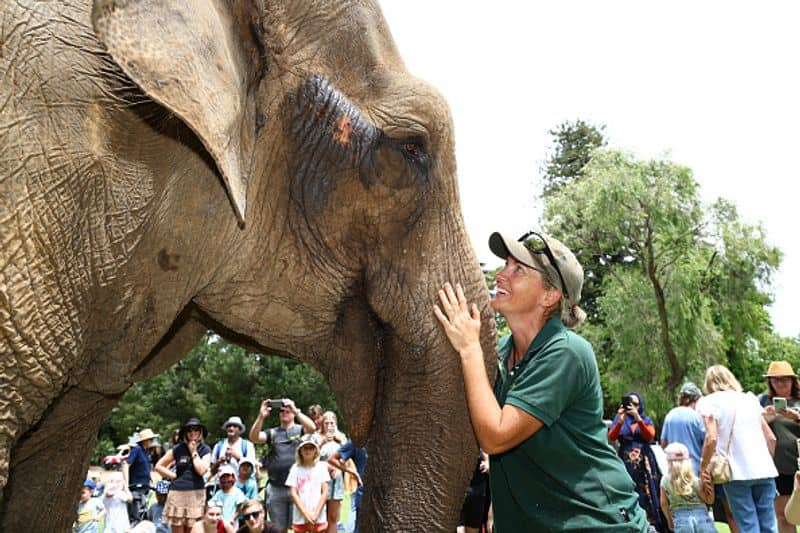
point(749, 456)
point(116, 513)
point(250, 452)
point(309, 481)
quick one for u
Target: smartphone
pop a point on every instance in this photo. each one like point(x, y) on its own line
point(779, 403)
point(275, 404)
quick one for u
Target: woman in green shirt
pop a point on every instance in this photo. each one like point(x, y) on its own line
point(551, 466)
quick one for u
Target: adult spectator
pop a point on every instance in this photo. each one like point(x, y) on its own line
point(551, 465)
point(315, 413)
point(635, 432)
point(212, 521)
point(331, 439)
point(191, 458)
point(254, 519)
point(784, 422)
point(684, 424)
point(736, 429)
point(283, 441)
point(232, 449)
point(137, 471)
point(339, 459)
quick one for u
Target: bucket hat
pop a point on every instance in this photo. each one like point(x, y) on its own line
point(690, 390)
point(192, 422)
point(546, 254)
point(234, 421)
point(145, 434)
point(778, 369)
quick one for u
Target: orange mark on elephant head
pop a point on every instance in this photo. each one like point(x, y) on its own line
point(342, 131)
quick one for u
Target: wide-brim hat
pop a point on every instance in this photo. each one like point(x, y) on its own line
point(145, 434)
point(192, 422)
point(571, 270)
point(234, 421)
point(779, 369)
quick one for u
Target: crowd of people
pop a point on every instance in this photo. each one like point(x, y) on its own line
point(204, 487)
point(545, 463)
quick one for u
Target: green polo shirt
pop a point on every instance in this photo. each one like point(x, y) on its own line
point(566, 477)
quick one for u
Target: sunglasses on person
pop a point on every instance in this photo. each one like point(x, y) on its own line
point(535, 244)
point(252, 516)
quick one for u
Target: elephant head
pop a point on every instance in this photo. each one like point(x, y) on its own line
point(266, 169)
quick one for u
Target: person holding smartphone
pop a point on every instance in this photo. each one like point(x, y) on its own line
point(781, 402)
point(283, 441)
point(331, 439)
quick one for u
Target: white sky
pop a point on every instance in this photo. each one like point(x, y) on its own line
point(714, 85)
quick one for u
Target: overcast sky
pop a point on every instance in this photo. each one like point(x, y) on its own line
point(711, 85)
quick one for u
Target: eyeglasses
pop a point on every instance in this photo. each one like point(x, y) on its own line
point(536, 244)
point(252, 516)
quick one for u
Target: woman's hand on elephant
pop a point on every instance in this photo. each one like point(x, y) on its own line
point(461, 322)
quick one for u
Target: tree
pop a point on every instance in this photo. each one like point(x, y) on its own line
point(215, 380)
point(687, 286)
point(574, 143)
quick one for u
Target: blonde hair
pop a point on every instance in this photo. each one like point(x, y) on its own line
point(719, 378)
point(681, 477)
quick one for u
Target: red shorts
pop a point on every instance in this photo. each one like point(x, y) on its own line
point(310, 527)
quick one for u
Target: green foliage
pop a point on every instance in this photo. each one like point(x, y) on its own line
point(574, 143)
point(679, 285)
point(214, 381)
point(500, 320)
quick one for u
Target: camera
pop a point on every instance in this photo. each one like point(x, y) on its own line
point(627, 401)
point(275, 404)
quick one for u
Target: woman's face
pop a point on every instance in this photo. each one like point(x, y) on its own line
point(194, 433)
point(519, 288)
point(329, 425)
point(782, 386)
point(213, 514)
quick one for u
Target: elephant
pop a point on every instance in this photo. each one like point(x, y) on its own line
point(266, 169)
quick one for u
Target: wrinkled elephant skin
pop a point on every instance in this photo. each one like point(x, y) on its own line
point(266, 169)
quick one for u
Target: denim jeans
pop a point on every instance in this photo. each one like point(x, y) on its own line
point(694, 520)
point(752, 503)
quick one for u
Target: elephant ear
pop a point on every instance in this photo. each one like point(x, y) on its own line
point(196, 58)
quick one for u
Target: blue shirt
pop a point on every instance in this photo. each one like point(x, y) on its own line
point(348, 451)
point(685, 425)
point(139, 461)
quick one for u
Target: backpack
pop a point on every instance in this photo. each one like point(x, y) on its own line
point(218, 448)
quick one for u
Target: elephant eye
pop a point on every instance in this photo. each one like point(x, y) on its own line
point(415, 153)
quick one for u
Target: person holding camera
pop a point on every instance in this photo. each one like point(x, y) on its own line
point(634, 432)
point(283, 441)
point(781, 404)
point(542, 426)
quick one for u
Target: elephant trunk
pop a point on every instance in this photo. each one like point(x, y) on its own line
point(422, 450)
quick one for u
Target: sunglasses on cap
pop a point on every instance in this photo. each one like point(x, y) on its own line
point(252, 516)
point(535, 244)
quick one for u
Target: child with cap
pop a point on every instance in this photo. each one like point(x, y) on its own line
point(308, 485)
point(228, 494)
point(246, 481)
point(156, 510)
point(90, 510)
point(683, 496)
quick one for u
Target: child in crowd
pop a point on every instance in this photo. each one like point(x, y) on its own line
point(308, 485)
point(212, 521)
point(90, 510)
point(115, 500)
point(98, 486)
point(228, 495)
point(683, 496)
point(246, 482)
point(156, 510)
